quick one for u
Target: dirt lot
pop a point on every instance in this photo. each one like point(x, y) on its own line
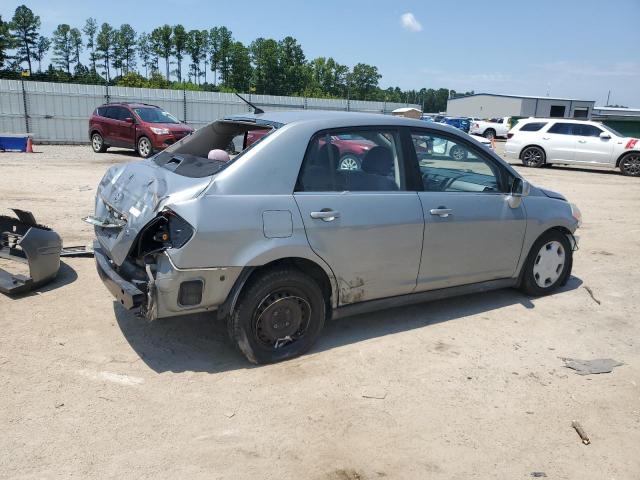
point(464, 388)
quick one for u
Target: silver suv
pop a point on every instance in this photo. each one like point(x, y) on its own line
point(278, 239)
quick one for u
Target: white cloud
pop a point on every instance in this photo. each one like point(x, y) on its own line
point(410, 22)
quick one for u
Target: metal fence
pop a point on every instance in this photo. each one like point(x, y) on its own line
point(58, 112)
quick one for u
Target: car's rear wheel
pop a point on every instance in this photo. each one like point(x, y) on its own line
point(533, 157)
point(630, 165)
point(97, 143)
point(548, 265)
point(349, 162)
point(145, 149)
point(489, 133)
point(458, 153)
point(279, 315)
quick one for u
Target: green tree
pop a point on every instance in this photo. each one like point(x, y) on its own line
point(162, 44)
point(224, 53)
point(63, 52)
point(127, 44)
point(196, 47)
point(24, 26)
point(292, 64)
point(149, 60)
point(266, 66)
point(76, 40)
point(6, 42)
point(104, 48)
point(240, 68)
point(42, 47)
point(90, 28)
point(214, 52)
point(363, 81)
point(179, 47)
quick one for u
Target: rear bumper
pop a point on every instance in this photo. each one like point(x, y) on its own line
point(125, 292)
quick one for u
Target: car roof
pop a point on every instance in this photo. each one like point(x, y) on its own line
point(128, 104)
point(556, 119)
point(333, 119)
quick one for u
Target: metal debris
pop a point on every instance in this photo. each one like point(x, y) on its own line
point(77, 251)
point(538, 474)
point(590, 292)
point(591, 367)
point(374, 392)
point(583, 435)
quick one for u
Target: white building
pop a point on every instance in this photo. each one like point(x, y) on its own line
point(489, 105)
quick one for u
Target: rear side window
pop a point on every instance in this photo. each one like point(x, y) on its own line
point(352, 160)
point(532, 127)
point(561, 128)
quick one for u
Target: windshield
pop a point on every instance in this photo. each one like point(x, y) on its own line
point(611, 130)
point(155, 115)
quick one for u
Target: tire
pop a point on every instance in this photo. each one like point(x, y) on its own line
point(286, 300)
point(349, 162)
point(489, 133)
point(144, 147)
point(533, 157)
point(458, 153)
point(630, 164)
point(543, 273)
point(97, 143)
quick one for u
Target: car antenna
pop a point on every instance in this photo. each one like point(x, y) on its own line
point(256, 110)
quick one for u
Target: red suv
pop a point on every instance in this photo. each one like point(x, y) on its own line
point(141, 127)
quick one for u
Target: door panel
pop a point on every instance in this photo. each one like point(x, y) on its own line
point(559, 142)
point(590, 148)
point(373, 246)
point(481, 239)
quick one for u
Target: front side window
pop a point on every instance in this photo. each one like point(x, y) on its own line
point(155, 115)
point(586, 131)
point(561, 128)
point(352, 160)
point(447, 165)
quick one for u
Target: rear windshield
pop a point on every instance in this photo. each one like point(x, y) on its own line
point(211, 149)
point(155, 115)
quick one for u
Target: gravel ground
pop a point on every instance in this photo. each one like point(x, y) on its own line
point(472, 387)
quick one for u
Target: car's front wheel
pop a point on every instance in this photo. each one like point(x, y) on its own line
point(458, 153)
point(548, 265)
point(279, 315)
point(145, 149)
point(97, 143)
point(349, 162)
point(630, 165)
point(533, 157)
point(489, 133)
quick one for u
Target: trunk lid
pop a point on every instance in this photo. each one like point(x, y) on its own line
point(131, 195)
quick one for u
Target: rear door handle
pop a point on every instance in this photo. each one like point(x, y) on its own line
point(441, 212)
point(326, 214)
point(545, 138)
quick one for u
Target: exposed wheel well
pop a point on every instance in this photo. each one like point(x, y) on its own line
point(308, 267)
point(622, 156)
point(533, 145)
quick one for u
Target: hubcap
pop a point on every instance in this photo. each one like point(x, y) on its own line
point(532, 157)
point(549, 264)
point(631, 165)
point(97, 142)
point(458, 153)
point(281, 319)
point(348, 163)
point(144, 147)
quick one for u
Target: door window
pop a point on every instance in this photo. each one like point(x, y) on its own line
point(586, 130)
point(353, 160)
point(447, 165)
point(117, 113)
point(561, 128)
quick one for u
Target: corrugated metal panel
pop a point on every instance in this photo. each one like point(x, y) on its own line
point(59, 112)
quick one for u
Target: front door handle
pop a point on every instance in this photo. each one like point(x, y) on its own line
point(582, 141)
point(326, 214)
point(545, 138)
point(441, 212)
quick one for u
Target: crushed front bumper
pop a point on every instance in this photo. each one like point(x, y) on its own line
point(125, 292)
point(23, 240)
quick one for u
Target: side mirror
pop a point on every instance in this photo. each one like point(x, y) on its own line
point(519, 188)
point(128, 120)
point(605, 136)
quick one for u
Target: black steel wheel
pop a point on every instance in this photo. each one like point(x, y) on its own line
point(533, 157)
point(279, 315)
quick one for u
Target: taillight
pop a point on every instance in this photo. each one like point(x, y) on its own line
point(475, 125)
point(509, 135)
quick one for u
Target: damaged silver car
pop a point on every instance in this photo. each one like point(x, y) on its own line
point(278, 238)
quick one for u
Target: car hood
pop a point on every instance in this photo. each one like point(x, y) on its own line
point(131, 195)
point(552, 194)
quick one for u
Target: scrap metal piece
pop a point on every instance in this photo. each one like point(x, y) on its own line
point(589, 367)
point(583, 435)
point(23, 240)
point(77, 251)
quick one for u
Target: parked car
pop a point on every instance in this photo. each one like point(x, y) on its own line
point(280, 239)
point(138, 126)
point(492, 128)
point(460, 123)
point(538, 142)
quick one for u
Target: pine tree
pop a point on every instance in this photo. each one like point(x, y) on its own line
point(24, 26)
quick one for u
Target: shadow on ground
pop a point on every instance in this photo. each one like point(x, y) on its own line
point(199, 343)
point(66, 275)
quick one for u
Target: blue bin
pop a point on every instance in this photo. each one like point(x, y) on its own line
point(13, 143)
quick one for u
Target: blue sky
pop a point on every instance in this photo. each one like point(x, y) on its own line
point(568, 48)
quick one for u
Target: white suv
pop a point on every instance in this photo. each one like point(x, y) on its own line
point(540, 141)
